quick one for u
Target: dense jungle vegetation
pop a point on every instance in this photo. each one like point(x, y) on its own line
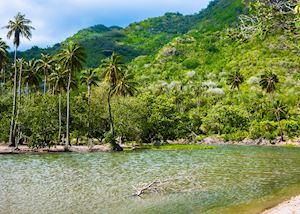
point(230, 71)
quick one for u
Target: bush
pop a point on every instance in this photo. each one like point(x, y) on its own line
point(191, 63)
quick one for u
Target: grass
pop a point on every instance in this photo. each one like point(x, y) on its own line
point(289, 145)
point(176, 147)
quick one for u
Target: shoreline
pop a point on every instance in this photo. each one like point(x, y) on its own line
point(209, 141)
point(291, 206)
point(23, 149)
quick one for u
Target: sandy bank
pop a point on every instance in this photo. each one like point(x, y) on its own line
point(22, 149)
point(291, 206)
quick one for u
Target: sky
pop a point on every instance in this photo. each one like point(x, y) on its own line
point(55, 20)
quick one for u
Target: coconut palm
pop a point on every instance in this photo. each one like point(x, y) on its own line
point(3, 58)
point(113, 71)
point(45, 65)
point(126, 86)
point(32, 77)
point(120, 83)
point(279, 110)
point(90, 78)
point(19, 27)
point(20, 65)
point(3, 53)
point(268, 82)
point(59, 80)
point(71, 58)
point(235, 79)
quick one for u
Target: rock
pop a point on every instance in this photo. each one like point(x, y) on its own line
point(117, 148)
point(169, 51)
point(180, 141)
point(157, 143)
point(212, 140)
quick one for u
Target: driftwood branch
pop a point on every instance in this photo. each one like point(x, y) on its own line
point(172, 184)
point(143, 189)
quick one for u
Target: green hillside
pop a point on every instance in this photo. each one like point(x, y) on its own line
point(146, 37)
point(231, 72)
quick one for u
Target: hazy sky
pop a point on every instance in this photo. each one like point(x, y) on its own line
point(55, 20)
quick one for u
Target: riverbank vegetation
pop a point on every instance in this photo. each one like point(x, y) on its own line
point(233, 82)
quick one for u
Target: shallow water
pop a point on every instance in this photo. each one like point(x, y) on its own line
point(228, 179)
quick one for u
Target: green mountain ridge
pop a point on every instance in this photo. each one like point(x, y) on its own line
point(148, 36)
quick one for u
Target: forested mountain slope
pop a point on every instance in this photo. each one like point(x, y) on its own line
point(146, 37)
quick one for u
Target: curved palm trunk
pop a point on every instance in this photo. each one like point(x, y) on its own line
point(115, 146)
point(12, 133)
point(68, 111)
point(59, 118)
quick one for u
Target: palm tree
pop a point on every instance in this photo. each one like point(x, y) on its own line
point(279, 110)
point(59, 79)
point(20, 26)
point(235, 79)
point(45, 65)
point(268, 82)
point(32, 77)
point(20, 64)
point(3, 58)
point(126, 86)
point(119, 84)
point(90, 78)
point(71, 58)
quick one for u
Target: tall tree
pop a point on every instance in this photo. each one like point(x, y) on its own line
point(45, 65)
point(268, 83)
point(18, 27)
point(20, 64)
point(3, 58)
point(90, 78)
point(32, 77)
point(235, 79)
point(72, 58)
point(59, 79)
point(118, 83)
point(280, 110)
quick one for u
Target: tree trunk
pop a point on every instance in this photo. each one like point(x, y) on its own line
point(89, 110)
point(12, 134)
point(68, 111)
point(280, 128)
point(59, 118)
point(27, 88)
point(111, 122)
point(19, 101)
point(115, 146)
point(3, 72)
point(45, 83)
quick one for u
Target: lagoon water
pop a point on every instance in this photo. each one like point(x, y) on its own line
point(227, 179)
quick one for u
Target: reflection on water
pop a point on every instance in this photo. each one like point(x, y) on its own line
point(214, 181)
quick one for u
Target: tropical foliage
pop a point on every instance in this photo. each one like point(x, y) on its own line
point(214, 77)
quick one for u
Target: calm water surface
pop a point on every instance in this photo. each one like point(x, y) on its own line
point(228, 179)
